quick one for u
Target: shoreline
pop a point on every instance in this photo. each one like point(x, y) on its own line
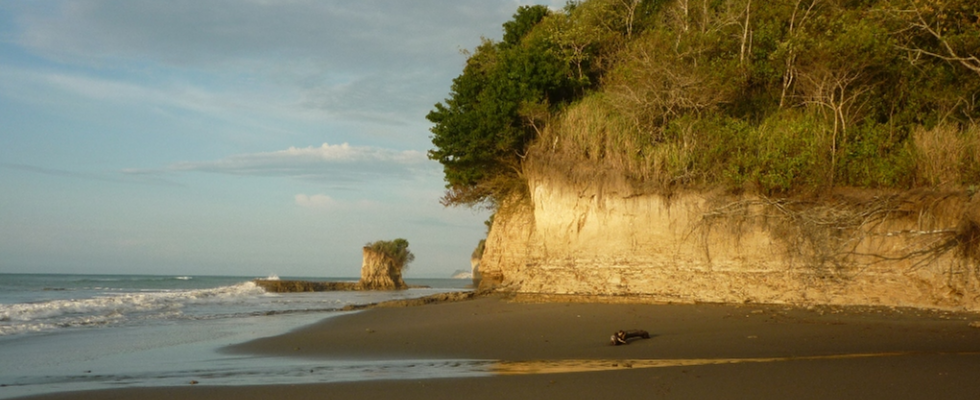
point(499, 328)
point(300, 286)
point(561, 350)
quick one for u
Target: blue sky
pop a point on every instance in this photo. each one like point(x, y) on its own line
point(238, 137)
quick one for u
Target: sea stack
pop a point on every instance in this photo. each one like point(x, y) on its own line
point(380, 272)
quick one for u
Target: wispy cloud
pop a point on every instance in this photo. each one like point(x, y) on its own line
point(61, 173)
point(381, 61)
point(336, 163)
point(317, 201)
point(207, 33)
point(179, 96)
point(372, 60)
point(236, 105)
point(125, 176)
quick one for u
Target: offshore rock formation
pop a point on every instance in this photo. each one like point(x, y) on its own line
point(601, 238)
point(461, 274)
point(475, 271)
point(379, 272)
point(278, 286)
point(475, 262)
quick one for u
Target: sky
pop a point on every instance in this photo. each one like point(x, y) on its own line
point(230, 137)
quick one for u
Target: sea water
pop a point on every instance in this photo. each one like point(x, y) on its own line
point(78, 332)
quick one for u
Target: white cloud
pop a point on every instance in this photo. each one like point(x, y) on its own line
point(318, 201)
point(334, 163)
point(325, 202)
point(346, 153)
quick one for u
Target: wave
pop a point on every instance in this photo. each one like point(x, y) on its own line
point(113, 308)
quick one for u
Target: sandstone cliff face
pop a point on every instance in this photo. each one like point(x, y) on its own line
point(696, 247)
point(379, 272)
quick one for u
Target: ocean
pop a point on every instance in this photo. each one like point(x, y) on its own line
point(78, 332)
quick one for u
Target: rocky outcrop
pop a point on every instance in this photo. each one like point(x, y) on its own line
point(850, 249)
point(475, 262)
point(278, 286)
point(380, 272)
point(447, 297)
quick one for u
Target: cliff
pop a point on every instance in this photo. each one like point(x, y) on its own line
point(601, 238)
point(380, 272)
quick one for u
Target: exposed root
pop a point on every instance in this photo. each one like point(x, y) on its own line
point(841, 236)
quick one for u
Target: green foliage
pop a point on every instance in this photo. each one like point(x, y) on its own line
point(823, 94)
point(526, 18)
point(793, 153)
point(877, 157)
point(781, 98)
point(775, 157)
point(481, 132)
point(396, 249)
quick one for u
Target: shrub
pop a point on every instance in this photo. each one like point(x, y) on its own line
point(396, 249)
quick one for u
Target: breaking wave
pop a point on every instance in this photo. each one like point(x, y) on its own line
point(122, 308)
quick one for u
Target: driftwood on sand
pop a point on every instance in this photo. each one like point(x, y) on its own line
point(623, 337)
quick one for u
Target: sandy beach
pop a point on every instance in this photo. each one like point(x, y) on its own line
point(562, 351)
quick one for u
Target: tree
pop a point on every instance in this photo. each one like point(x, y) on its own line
point(841, 70)
point(526, 18)
point(482, 131)
point(947, 30)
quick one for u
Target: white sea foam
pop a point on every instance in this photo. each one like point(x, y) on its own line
point(43, 304)
point(161, 330)
point(116, 308)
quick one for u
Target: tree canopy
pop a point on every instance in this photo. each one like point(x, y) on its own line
point(481, 132)
point(777, 97)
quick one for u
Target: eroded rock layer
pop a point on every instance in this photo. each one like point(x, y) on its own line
point(892, 249)
point(379, 272)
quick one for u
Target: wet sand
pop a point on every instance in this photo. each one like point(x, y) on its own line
point(562, 351)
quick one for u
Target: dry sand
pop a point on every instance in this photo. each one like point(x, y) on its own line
point(561, 351)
